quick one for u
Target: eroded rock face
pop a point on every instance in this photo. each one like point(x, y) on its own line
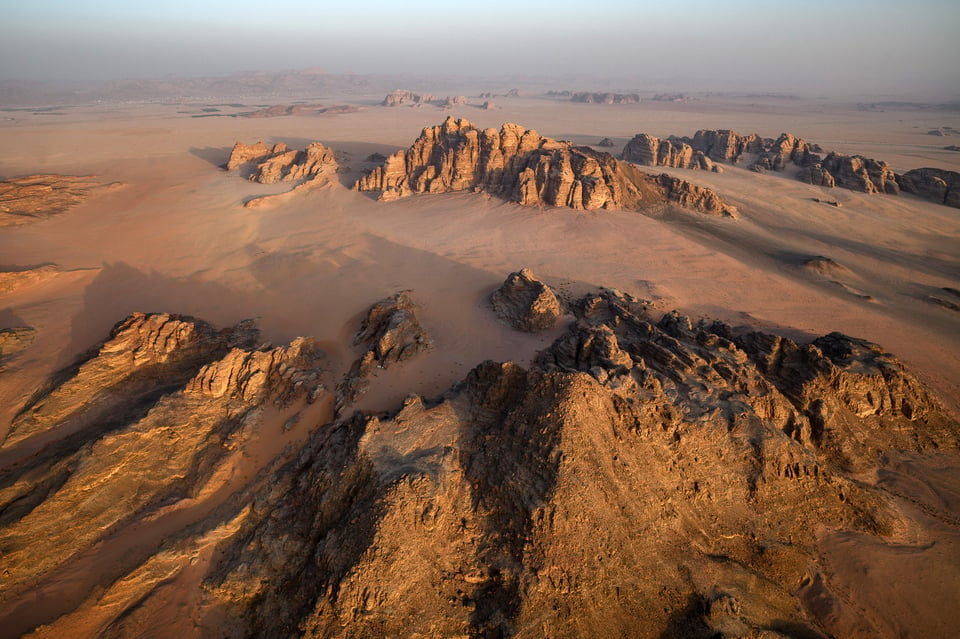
point(391, 333)
point(515, 163)
point(526, 303)
point(29, 198)
point(281, 164)
point(644, 476)
point(936, 185)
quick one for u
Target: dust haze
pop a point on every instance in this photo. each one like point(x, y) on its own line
point(854, 49)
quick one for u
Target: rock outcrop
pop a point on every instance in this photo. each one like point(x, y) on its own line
point(13, 340)
point(280, 164)
point(399, 97)
point(936, 185)
point(34, 197)
point(526, 303)
point(853, 172)
point(522, 166)
point(606, 143)
point(605, 98)
point(643, 476)
point(391, 333)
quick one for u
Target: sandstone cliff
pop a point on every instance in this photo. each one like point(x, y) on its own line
point(524, 167)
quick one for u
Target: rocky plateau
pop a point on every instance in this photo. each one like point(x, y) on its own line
point(34, 197)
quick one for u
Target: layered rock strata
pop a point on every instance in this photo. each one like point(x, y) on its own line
point(522, 166)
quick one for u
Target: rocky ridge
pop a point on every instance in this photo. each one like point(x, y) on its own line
point(586, 97)
point(525, 167)
point(707, 148)
point(644, 476)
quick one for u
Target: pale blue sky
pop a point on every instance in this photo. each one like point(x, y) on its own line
point(878, 47)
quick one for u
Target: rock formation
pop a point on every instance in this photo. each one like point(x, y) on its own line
point(605, 98)
point(457, 100)
point(524, 167)
point(391, 333)
point(853, 172)
point(280, 110)
point(33, 197)
point(641, 477)
point(526, 303)
point(857, 173)
point(281, 164)
point(606, 143)
point(936, 185)
point(402, 96)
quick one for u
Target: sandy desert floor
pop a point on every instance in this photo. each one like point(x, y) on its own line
point(176, 238)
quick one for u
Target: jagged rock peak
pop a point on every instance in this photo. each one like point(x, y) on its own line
point(526, 303)
point(281, 164)
point(517, 164)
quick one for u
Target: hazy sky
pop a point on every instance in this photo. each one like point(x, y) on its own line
point(877, 46)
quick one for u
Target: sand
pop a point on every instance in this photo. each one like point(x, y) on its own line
point(177, 238)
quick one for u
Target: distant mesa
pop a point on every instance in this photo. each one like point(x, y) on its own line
point(952, 147)
point(512, 93)
point(586, 97)
point(606, 143)
point(943, 131)
point(488, 105)
point(310, 167)
point(35, 197)
point(400, 97)
point(280, 110)
point(375, 157)
point(524, 167)
point(670, 97)
point(708, 148)
point(457, 100)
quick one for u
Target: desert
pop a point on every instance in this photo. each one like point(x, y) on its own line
point(324, 354)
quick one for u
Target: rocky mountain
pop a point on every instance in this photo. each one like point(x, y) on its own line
point(525, 167)
point(32, 197)
point(643, 477)
point(708, 148)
